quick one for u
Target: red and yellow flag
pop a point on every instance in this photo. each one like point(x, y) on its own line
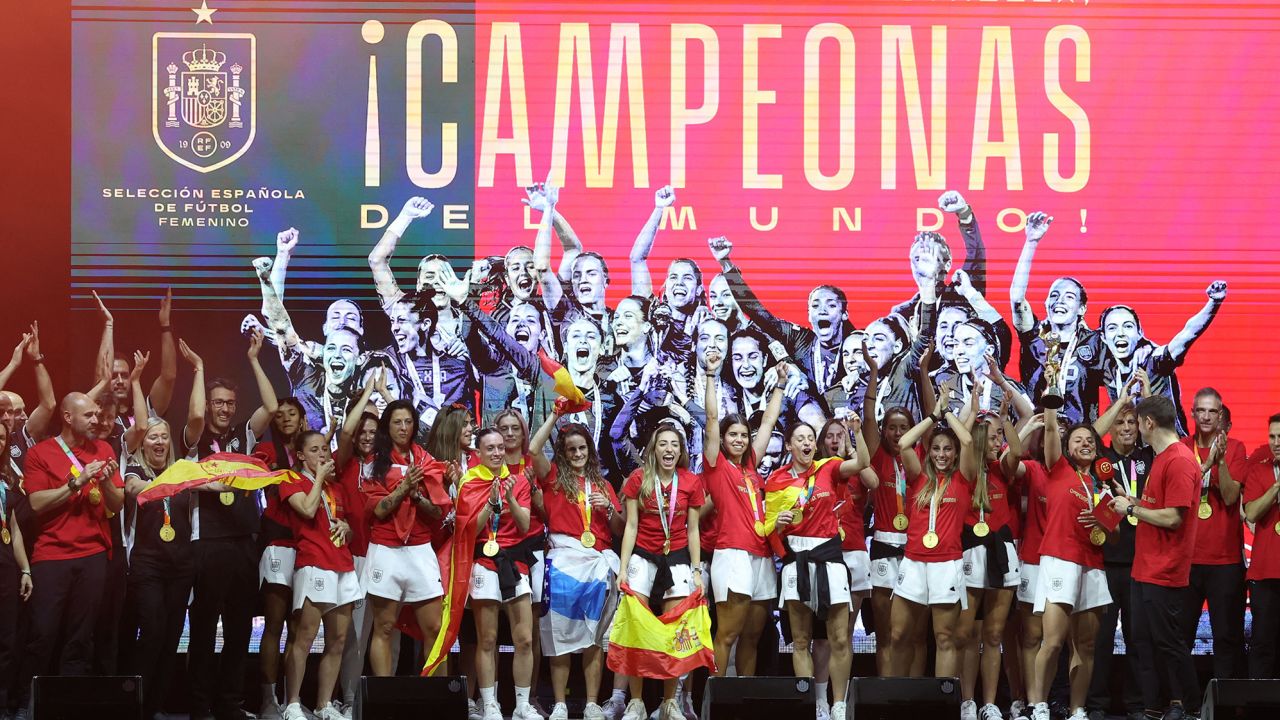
point(573, 399)
point(241, 472)
point(666, 647)
point(781, 493)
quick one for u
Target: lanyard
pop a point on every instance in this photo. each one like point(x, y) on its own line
point(663, 511)
point(496, 517)
point(1093, 497)
point(750, 485)
point(77, 467)
point(584, 505)
point(1204, 480)
point(808, 492)
point(900, 483)
point(820, 370)
point(933, 510)
point(1130, 476)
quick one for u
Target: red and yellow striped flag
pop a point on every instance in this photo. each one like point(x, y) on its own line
point(642, 645)
point(241, 472)
point(574, 401)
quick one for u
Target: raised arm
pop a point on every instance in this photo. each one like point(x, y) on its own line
point(1198, 323)
point(711, 401)
point(1011, 460)
point(1103, 424)
point(537, 443)
point(161, 394)
point(351, 424)
point(309, 504)
point(544, 198)
point(40, 417)
point(773, 326)
point(380, 257)
point(285, 243)
point(975, 252)
point(772, 411)
point(133, 436)
point(106, 345)
point(969, 460)
point(1052, 443)
point(286, 336)
point(907, 443)
point(14, 362)
point(861, 460)
point(270, 403)
point(1020, 402)
point(194, 427)
point(641, 280)
point(1023, 317)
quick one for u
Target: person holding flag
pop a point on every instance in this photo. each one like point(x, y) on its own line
point(405, 494)
point(582, 514)
point(800, 517)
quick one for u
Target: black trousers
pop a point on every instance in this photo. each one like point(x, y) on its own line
point(160, 603)
point(1165, 669)
point(226, 586)
point(1223, 587)
point(10, 607)
point(1264, 598)
point(1119, 582)
point(64, 609)
point(106, 632)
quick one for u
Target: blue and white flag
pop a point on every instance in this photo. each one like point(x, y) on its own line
point(579, 603)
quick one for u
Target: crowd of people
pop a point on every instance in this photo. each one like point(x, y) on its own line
point(977, 519)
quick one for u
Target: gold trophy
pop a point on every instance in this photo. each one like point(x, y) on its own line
point(1051, 399)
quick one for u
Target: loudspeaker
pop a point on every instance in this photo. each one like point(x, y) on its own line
point(411, 698)
point(74, 698)
point(757, 698)
point(895, 698)
point(1241, 699)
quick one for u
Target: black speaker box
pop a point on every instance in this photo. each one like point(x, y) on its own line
point(1241, 699)
point(757, 698)
point(411, 698)
point(56, 697)
point(895, 698)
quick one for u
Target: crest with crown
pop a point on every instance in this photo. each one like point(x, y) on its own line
point(204, 60)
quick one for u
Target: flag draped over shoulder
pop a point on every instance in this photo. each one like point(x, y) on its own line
point(456, 558)
point(241, 472)
point(665, 647)
point(781, 493)
point(574, 400)
point(578, 596)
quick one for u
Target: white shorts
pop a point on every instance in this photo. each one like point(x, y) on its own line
point(837, 575)
point(1067, 583)
point(275, 567)
point(975, 568)
point(325, 589)
point(859, 564)
point(405, 574)
point(738, 571)
point(484, 585)
point(884, 571)
point(1027, 585)
point(537, 576)
point(360, 563)
point(932, 583)
point(641, 572)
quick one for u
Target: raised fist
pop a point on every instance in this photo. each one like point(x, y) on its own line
point(1217, 290)
point(287, 240)
point(1037, 225)
point(720, 247)
point(664, 197)
point(417, 207)
point(952, 202)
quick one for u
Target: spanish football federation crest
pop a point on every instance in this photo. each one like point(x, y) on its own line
point(203, 99)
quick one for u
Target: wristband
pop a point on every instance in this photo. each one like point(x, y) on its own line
point(26, 572)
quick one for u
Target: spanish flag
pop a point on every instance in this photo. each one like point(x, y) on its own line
point(458, 555)
point(662, 648)
point(242, 472)
point(573, 399)
point(781, 493)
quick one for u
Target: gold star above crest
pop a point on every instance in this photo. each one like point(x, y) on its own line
point(204, 13)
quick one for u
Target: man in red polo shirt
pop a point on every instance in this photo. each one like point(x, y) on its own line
point(1217, 562)
point(1167, 533)
point(1261, 488)
point(73, 484)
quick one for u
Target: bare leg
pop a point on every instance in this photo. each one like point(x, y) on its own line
point(966, 640)
point(337, 622)
point(731, 616)
point(998, 604)
point(906, 617)
point(385, 612)
point(945, 619)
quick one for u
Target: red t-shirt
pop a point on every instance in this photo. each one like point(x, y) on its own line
point(851, 499)
point(689, 494)
point(735, 522)
point(535, 523)
point(1065, 537)
point(884, 499)
point(1265, 564)
point(564, 514)
point(1163, 557)
point(507, 534)
point(424, 528)
point(274, 511)
point(315, 549)
point(1036, 487)
point(359, 515)
point(77, 528)
point(819, 509)
point(998, 497)
point(948, 522)
point(1220, 538)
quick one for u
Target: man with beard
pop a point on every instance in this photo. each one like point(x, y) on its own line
point(118, 380)
point(816, 348)
point(1129, 350)
point(973, 369)
point(24, 430)
point(1079, 349)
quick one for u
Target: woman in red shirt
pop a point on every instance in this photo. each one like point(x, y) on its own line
point(661, 554)
point(1072, 587)
point(325, 585)
point(930, 576)
point(815, 580)
point(743, 580)
point(583, 515)
point(451, 436)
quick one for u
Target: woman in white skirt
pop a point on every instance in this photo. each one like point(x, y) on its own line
point(815, 580)
point(325, 586)
point(661, 551)
point(583, 515)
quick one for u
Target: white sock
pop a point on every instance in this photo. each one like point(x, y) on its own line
point(821, 689)
point(488, 696)
point(618, 695)
point(522, 697)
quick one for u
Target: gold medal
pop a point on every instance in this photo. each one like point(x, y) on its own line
point(7, 538)
point(588, 539)
point(227, 498)
point(930, 540)
point(167, 533)
point(1098, 536)
point(1206, 510)
point(1133, 520)
point(841, 534)
point(336, 539)
point(981, 529)
point(6, 532)
point(900, 522)
point(95, 495)
point(491, 548)
point(797, 516)
point(666, 547)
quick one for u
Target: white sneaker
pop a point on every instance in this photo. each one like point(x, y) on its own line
point(968, 710)
point(331, 712)
point(613, 709)
point(1040, 711)
point(492, 711)
point(824, 710)
point(991, 712)
point(594, 712)
point(635, 710)
point(529, 712)
point(671, 710)
point(294, 712)
point(1079, 714)
point(560, 712)
point(1018, 709)
point(838, 710)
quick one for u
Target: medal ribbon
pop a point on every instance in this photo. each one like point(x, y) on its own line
point(900, 483)
point(167, 521)
point(757, 512)
point(1088, 490)
point(4, 505)
point(1204, 481)
point(933, 511)
point(77, 467)
point(667, 522)
point(493, 522)
point(584, 507)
